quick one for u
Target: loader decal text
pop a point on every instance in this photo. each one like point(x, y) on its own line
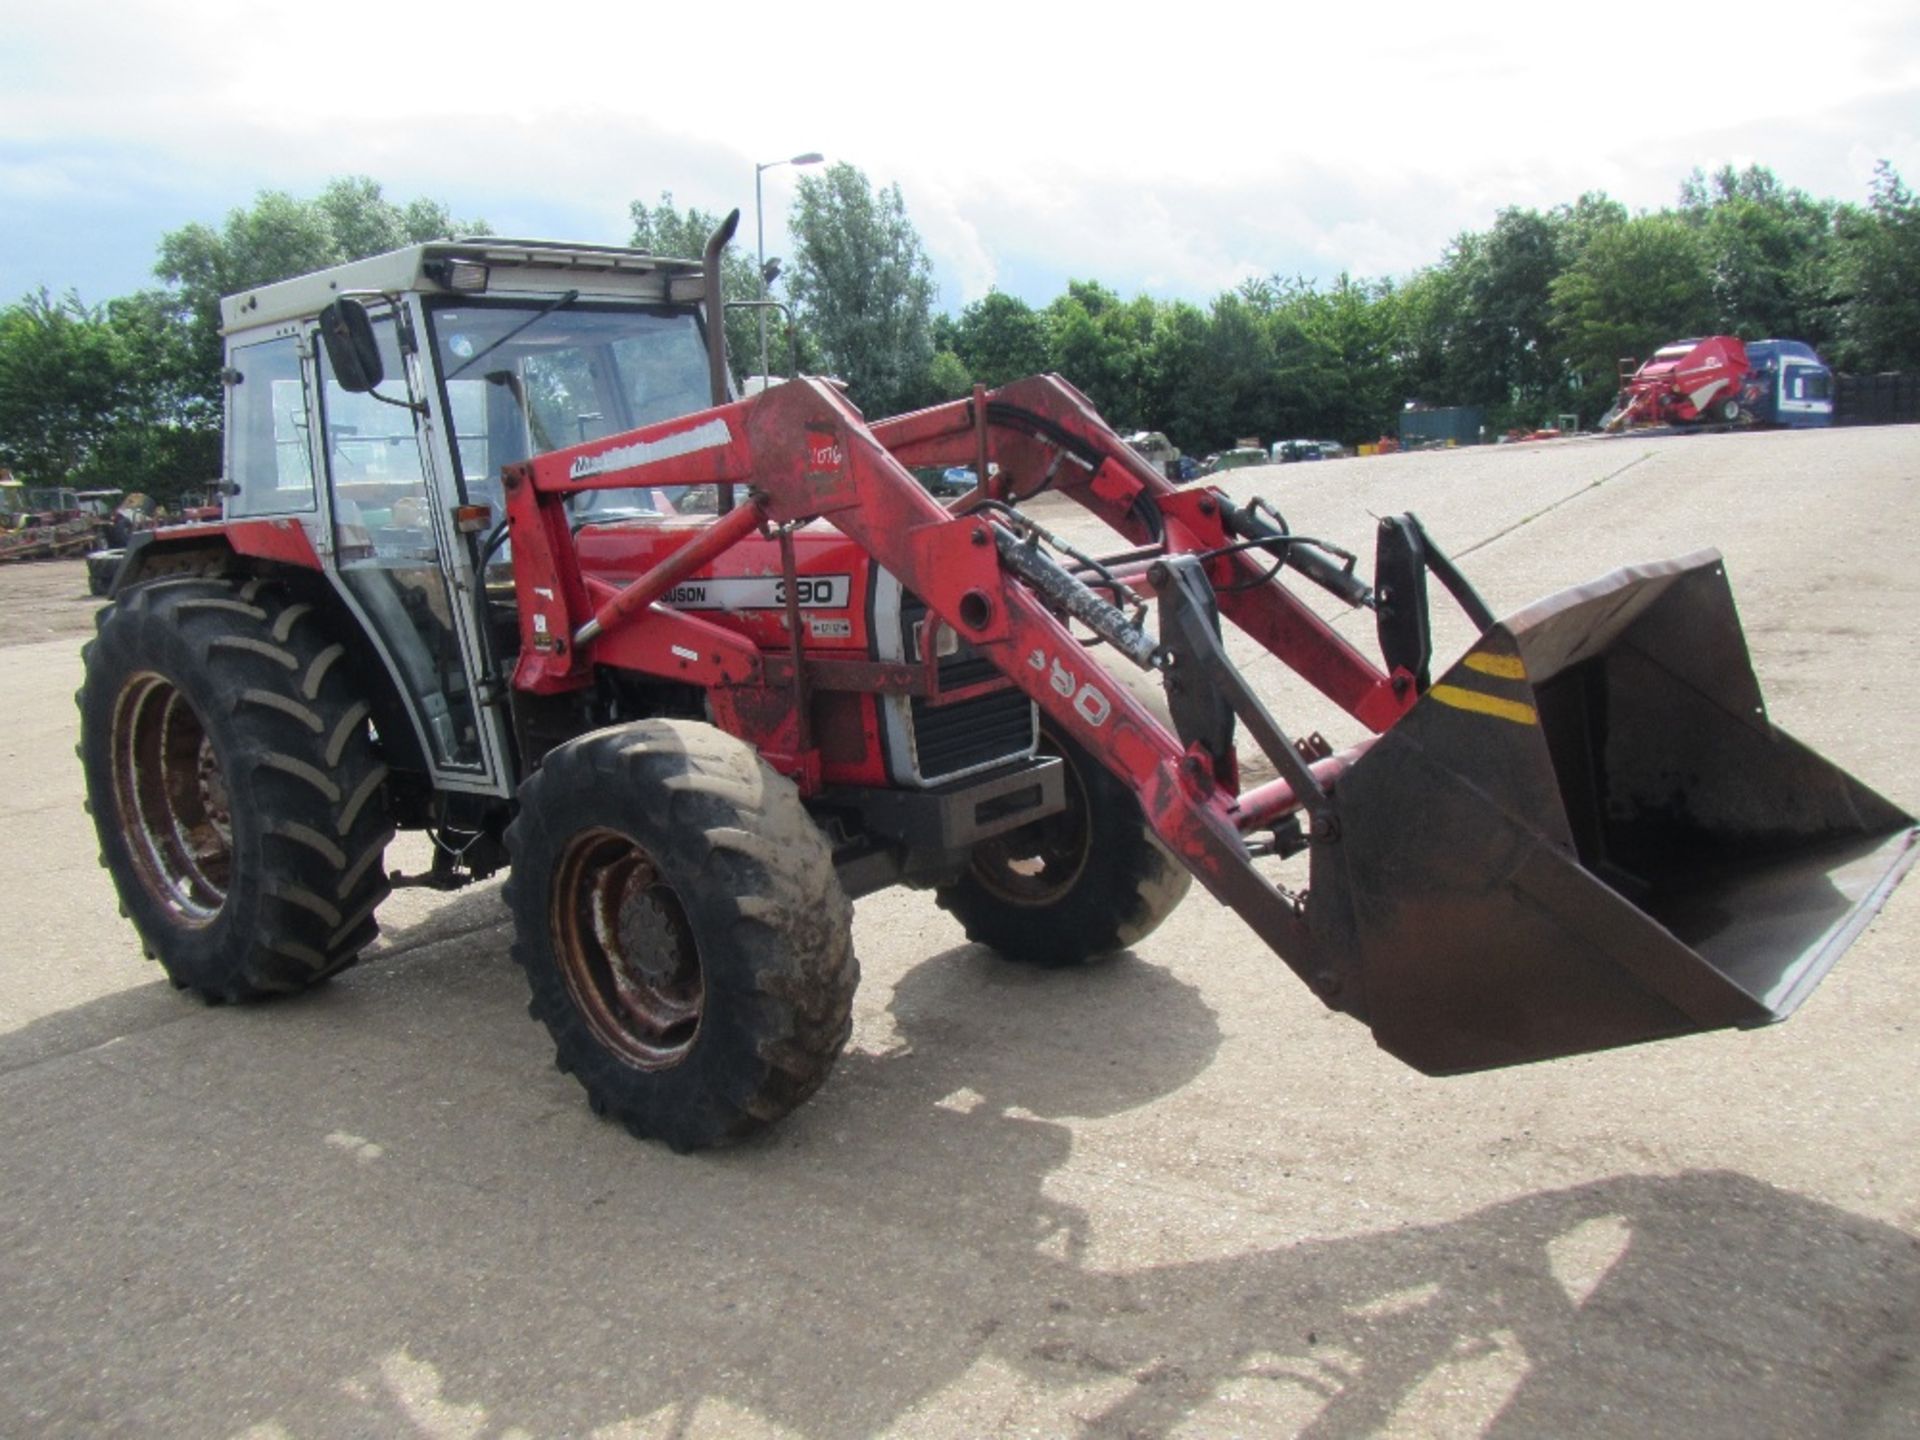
point(825, 453)
point(1088, 703)
point(761, 592)
point(711, 436)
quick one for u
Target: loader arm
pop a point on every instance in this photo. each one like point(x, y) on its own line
point(807, 454)
point(1044, 432)
point(1584, 834)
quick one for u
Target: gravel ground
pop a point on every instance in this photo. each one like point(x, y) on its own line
point(44, 600)
point(1166, 1196)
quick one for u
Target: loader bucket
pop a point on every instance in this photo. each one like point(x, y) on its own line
point(1588, 834)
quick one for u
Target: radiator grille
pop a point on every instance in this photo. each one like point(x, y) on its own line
point(952, 739)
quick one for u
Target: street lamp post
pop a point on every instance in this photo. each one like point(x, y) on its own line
point(812, 157)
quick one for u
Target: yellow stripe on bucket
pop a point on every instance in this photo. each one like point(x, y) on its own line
point(1501, 667)
point(1485, 704)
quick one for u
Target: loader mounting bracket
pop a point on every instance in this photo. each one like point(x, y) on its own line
point(1404, 554)
point(1190, 633)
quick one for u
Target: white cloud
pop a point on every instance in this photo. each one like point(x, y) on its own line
point(1178, 155)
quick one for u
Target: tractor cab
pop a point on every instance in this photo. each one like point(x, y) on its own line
point(372, 406)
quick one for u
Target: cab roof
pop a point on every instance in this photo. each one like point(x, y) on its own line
point(517, 267)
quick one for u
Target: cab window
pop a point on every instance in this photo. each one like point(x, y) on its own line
point(269, 458)
point(388, 555)
point(522, 378)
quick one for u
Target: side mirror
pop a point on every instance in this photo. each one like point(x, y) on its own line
point(352, 351)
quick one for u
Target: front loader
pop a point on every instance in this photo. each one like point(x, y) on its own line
point(718, 665)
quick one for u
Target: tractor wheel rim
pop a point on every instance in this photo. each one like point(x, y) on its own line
point(1038, 863)
point(172, 795)
point(627, 950)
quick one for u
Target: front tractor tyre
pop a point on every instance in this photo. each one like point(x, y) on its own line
point(234, 786)
point(685, 937)
point(1074, 887)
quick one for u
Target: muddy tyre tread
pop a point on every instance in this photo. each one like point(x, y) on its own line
point(309, 820)
point(756, 878)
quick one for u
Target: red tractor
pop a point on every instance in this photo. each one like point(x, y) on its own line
point(505, 561)
point(1689, 382)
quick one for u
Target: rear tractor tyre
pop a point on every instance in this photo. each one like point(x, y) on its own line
point(234, 786)
point(1075, 887)
point(102, 567)
point(685, 937)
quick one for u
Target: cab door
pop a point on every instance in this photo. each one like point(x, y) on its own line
point(399, 561)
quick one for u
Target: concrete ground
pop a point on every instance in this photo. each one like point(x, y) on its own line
point(1166, 1196)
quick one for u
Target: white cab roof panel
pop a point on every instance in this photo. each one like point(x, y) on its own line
point(515, 267)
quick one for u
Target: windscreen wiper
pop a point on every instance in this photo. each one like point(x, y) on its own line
point(557, 303)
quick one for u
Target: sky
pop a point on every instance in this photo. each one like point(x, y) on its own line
point(1174, 153)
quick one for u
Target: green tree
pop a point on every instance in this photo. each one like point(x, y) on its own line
point(1239, 371)
point(1479, 326)
point(665, 230)
point(63, 374)
point(1282, 396)
point(280, 236)
point(1878, 265)
point(1592, 213)
point(1097, 343)
point(1001, 338)
point(165, 438)
point(863, 288)
point(1768, 253)
point(1354, 322)
point(1637, 285)
point(948, 377)
point(363, 222)
point(1481, 320)
point(1175, 394)
point(103, 396)
point(1424, 325)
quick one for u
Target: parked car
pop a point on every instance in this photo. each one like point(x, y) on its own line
point(1287, 452)
point(1235, 458)
point(949, 482)
point(1331, 450)
point(1161, 452)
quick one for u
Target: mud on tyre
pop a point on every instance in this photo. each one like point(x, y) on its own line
point(234, 786)
point(1073, 887)
point(685, 938)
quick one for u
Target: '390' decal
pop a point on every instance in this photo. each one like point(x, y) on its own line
point(1091, 706)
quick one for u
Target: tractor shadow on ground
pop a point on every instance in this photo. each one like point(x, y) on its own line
point(154, 1003)
point(392, 1221)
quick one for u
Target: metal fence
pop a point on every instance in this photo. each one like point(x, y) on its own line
point(1449, 425)
point(1889, 399)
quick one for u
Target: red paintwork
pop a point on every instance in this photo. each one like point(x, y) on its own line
point(735, 653)
point(703, 546)
point(800, 454)
point(1678, 386)
point(621, 553)
point(282, 541)
point(1261, 806)
point(1271, 614)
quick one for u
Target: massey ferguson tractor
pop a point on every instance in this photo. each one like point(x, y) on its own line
point(504, 560)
